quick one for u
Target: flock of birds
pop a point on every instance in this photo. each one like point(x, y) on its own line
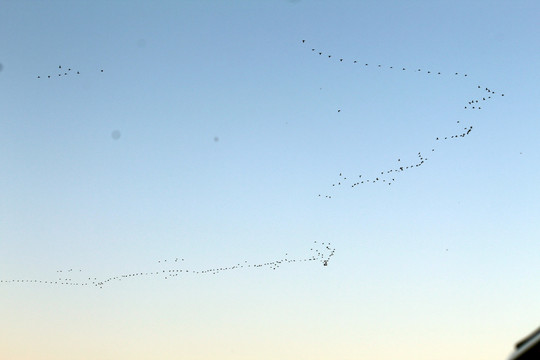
point(62, 72)
point(170, 268)
point(388, 176)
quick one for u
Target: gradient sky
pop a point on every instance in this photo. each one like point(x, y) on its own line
point(228, 132)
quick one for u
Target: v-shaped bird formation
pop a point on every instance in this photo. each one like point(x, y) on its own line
point(389, 174)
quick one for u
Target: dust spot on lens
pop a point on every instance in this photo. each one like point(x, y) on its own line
point(116, 134)
point(141, 43)
point(216, 139)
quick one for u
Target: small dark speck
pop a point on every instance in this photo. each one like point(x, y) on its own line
point(1, 67)
point(102, 70)
point(216, 139)
point(116, 134)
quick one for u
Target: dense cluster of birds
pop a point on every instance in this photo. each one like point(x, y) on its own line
point(387, 176)
point(170, 268)
point(61, 72)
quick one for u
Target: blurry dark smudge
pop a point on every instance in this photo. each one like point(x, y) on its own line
point(216, 139)
point(1, 66)
point(116, 134)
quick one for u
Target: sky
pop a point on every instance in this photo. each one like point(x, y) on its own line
point(176, 187)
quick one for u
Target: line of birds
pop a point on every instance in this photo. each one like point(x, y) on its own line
point(321, 254)
point(388, 176)
point(66, 72)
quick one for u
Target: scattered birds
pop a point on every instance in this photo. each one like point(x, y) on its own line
point(63, 74)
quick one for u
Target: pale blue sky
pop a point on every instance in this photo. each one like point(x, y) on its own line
point(444, 258)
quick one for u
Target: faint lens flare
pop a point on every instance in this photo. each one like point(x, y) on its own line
point(116, 134)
